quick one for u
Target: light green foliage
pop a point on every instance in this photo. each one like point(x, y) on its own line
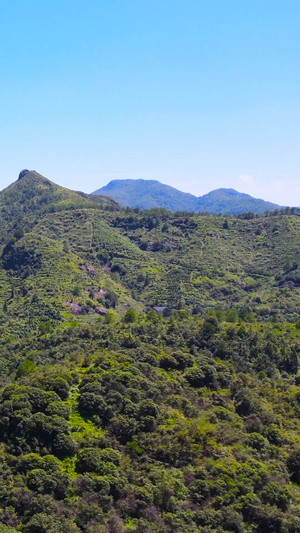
point(158, 426)
point(123, 418)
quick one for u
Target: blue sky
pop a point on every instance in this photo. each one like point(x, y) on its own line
point(197, 94)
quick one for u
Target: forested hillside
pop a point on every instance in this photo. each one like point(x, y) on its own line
point(148, 194)
point(117, 418)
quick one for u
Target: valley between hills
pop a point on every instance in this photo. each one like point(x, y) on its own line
point(149, 366)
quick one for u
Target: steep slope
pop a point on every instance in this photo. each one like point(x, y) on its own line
point(147, 194)
point(48, 271)
point(33, 192)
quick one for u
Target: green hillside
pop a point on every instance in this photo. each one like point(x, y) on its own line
point(148, 194)
point(210, 261)
point(115, 418)
point(50, 237)
point(231, 202)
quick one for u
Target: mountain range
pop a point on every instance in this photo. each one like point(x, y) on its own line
point(149, 367)
point(147, 194)
point(60, 238)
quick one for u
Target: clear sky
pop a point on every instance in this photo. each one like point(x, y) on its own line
point(198, 94)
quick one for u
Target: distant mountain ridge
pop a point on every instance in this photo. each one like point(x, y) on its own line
point(149, 366)
point(147, 194)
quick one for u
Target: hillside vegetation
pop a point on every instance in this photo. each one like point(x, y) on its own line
point(148, 194)
point(115, 418)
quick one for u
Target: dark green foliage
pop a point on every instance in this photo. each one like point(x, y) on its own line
point(57, 384)
point(19, 259)
point(157, 436)
point(130, 316)
point(274, 494)
point(293, 464)
point(26, 426)
point(43, 523)
point(140, 420)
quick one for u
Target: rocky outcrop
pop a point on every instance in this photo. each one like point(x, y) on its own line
point(23, 173)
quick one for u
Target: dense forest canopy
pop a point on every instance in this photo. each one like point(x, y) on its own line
point(118, 418)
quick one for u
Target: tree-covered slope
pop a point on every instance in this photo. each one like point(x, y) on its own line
point(210, 261)
point(151, 424)
point(50, 238)
point(229, 201)
point(153, 257)
point(117, 419)
point(147, 194)
point(34, 192)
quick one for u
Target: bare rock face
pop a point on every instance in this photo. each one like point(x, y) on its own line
point(76, 309)
point(23, 173)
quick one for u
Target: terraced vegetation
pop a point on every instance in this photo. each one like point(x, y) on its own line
point(115, 418)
